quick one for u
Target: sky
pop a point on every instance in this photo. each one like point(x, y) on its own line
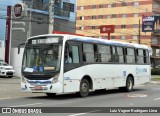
point(3, 9)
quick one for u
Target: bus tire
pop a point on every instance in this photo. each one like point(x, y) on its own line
point(10, 76)
point(129, 84)
point(84, 88)
point(51, 94)
point(100, 91)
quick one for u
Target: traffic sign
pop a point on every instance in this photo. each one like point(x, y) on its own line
point(107, 29)
point(18, 9)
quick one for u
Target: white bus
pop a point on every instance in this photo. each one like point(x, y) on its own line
point(93, 64)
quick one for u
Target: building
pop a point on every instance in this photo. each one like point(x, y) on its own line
point(126, 16)
point(155, 43)
point(3, 10)
point(36, 19)
point(1, 44)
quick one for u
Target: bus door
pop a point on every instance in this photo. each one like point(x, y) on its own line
point(71, 64)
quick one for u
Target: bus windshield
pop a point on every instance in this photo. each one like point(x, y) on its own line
point(42, 58)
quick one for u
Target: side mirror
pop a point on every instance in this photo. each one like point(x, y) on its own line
point(20, 46)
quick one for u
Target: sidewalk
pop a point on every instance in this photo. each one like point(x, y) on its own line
point(155, 76)
point(155, 79)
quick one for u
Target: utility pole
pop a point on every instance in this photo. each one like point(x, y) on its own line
point(51, 18)
point(30, 20)
point(139, 35)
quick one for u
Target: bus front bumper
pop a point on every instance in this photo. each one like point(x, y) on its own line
point(38, 88)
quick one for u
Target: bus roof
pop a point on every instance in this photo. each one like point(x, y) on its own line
point(96, 40)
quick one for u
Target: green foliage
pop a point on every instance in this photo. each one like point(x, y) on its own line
point(155, 71)
point(156, 79)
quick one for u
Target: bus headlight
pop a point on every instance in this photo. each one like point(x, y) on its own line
point(23, 80)
point(2, 68)
point(55, 78)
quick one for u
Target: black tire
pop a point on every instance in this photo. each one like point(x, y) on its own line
point(122, 89)
point(84, 88)
point(100, 91)
point(129, 84)
point(51, 94)
point(10, 76)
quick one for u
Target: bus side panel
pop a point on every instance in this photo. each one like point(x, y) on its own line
point(120, 75)
point(72, 80)
point(105, 76)
point(101, 75)
point(143, 74)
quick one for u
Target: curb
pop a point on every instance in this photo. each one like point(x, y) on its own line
point(155, 76)
point(155, 82)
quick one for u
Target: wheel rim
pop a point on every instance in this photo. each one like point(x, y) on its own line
point(130, 84)
point(84, 88)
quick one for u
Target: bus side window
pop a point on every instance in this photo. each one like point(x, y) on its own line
point(104, 53)
point(146, 56)
point(113, 53)
point(120, 55)
point(75, 54)
point(136, 56)
point(130, 55)
point(115, 56)
point(84, 57)
point(124, 55)
point(140, 56)
point(88, 53)
point(67, 54)
point(95, 53)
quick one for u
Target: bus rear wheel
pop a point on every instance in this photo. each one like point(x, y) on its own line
point(51, 94)
point(84, 88)
point(129, 84)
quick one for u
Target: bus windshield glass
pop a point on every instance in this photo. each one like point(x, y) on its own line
point(42, 58)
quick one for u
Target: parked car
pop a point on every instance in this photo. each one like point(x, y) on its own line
point(6, 70)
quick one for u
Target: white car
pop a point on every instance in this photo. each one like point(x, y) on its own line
point(6, 70)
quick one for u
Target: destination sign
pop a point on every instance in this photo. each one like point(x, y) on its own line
point(44, 40)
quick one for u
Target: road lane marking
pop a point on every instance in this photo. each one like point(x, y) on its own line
point(137, 95)
point(157, 99)
point(156, 89)
point(84, 113)
point(26, 105)
point(2, 98)
point(9, 88)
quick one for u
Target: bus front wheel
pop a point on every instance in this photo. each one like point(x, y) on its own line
point(84, 88)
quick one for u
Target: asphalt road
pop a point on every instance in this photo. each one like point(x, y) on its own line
point(147, 95)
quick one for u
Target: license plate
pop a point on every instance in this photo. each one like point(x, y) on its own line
point(38, 87)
